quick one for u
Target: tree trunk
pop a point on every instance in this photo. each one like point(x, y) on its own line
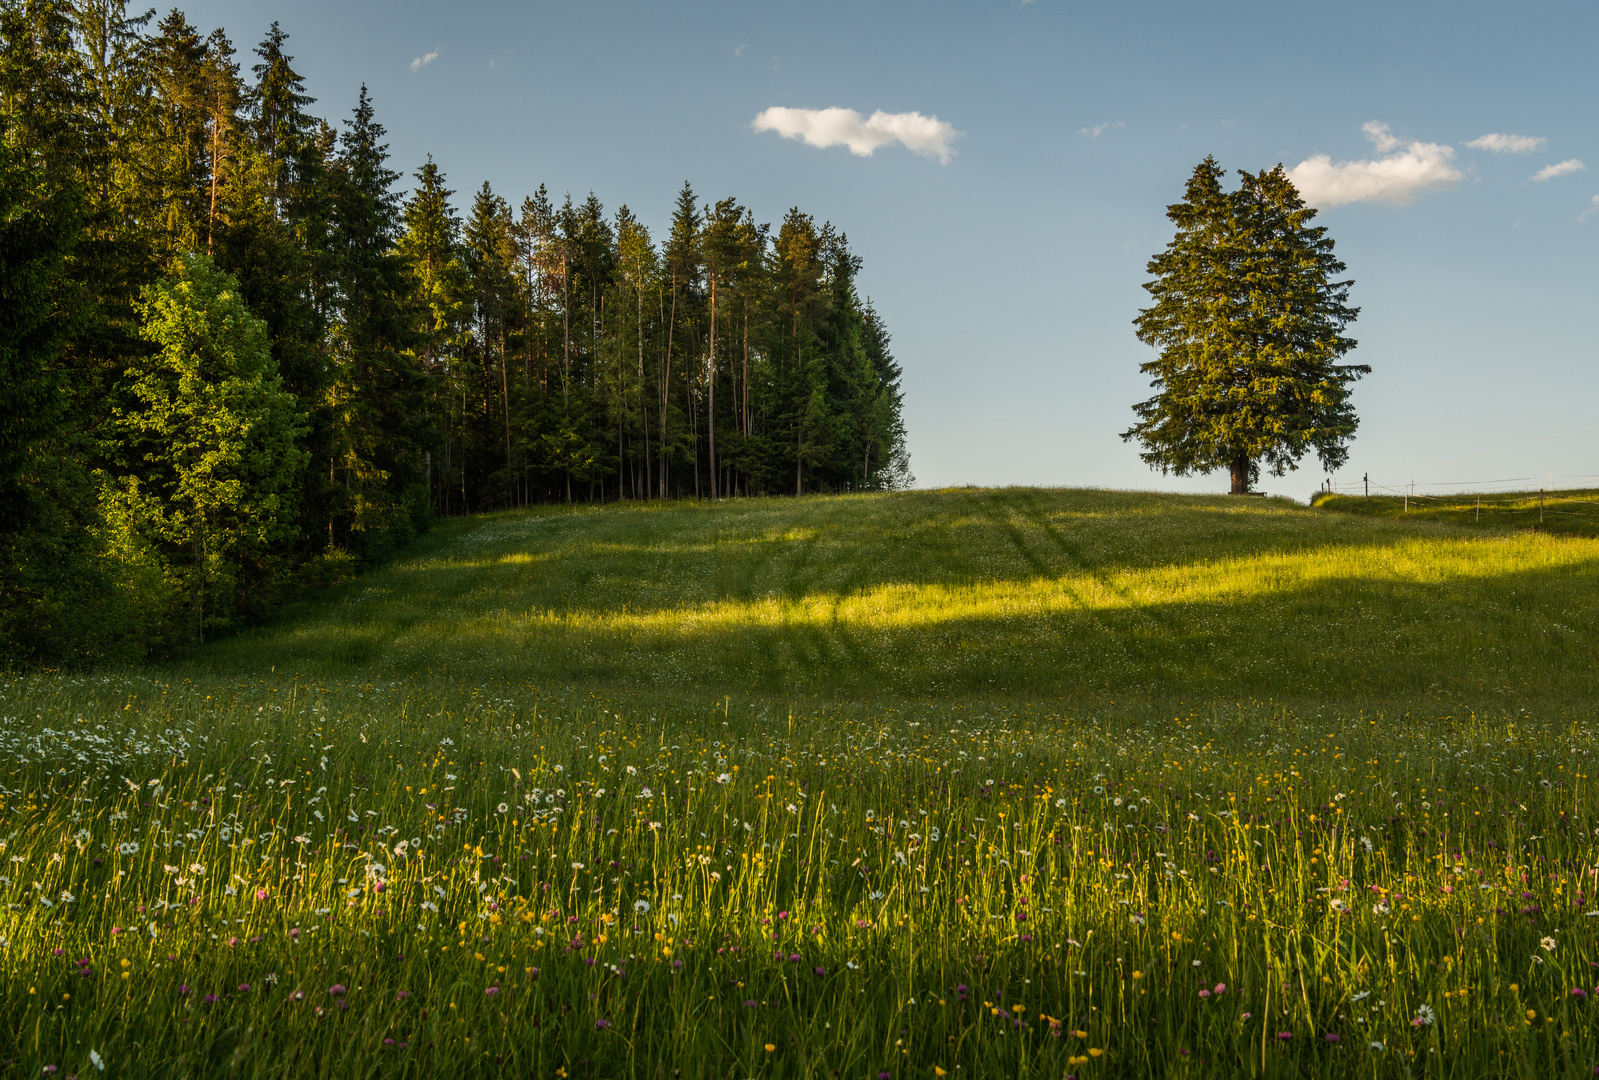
point(1240, 470)
point(710, 424)
point(666, 382)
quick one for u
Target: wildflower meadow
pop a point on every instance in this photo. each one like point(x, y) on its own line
point(288, 875)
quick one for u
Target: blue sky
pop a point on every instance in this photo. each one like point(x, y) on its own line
point(1009, 273)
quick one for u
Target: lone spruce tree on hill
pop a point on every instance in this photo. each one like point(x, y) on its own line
point(1249, 321)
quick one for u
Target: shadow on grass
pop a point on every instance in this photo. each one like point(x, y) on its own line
point(1018, 592)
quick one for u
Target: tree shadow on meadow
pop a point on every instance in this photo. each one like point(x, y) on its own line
point(1028, 601)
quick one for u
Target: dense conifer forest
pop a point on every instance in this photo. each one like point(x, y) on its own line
point(243, 352)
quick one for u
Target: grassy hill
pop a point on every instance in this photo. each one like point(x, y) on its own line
point(1019, 783)
point(1038, 593)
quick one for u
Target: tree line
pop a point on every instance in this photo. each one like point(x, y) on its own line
point(241, 355)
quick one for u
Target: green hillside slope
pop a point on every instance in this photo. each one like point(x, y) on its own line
point(1046, 593)
point(1569, 512)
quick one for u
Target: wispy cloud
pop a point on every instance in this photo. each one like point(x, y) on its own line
point(1408, 170)
point(1563, 168)
point(925, 135)
point(738, 52)
point(1099, 129)
point(1378, 132)
point(423, 61)
point(1593, 208)
point(1508, 144)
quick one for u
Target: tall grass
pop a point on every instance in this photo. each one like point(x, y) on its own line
point(325, 879)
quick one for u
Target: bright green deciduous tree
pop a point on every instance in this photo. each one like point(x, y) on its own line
point(211, 506)
point(1249, 321)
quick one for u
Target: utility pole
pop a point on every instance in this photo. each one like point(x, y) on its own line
point(1366, 479)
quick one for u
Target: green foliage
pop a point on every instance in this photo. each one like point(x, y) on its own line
point(62, 601)
point(41, 218)
point(1249, 322)
point(437, 368)
point(210, 499)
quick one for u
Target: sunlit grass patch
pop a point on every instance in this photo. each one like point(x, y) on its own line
point(1023, 592)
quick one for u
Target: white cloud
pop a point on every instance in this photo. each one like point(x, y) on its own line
point(423, 61)
point(1378, 133)
point(1406, 171)
point(1508, 144)
point(1593, 208)
point(1564, 168)
point(1099, 129)
point(926, 135)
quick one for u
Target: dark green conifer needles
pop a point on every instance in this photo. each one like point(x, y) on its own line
point(1249, 321)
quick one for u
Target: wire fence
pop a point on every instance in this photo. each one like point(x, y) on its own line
point(1574, 500)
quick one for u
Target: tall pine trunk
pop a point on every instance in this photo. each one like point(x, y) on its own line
point(710, 422)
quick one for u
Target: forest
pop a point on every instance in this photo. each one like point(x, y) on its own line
point(243, 354)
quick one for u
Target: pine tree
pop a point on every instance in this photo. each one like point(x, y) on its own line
point(1249, 321)
point(888, 458)
point(281, 125)
point(42, 218)
point(375, 465)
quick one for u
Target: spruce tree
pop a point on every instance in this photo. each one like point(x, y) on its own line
point(42, 217)
point(375, 473)
point(1249, 319)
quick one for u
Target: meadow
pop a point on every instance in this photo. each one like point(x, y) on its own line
point(1039, 594)
point(939, 784)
